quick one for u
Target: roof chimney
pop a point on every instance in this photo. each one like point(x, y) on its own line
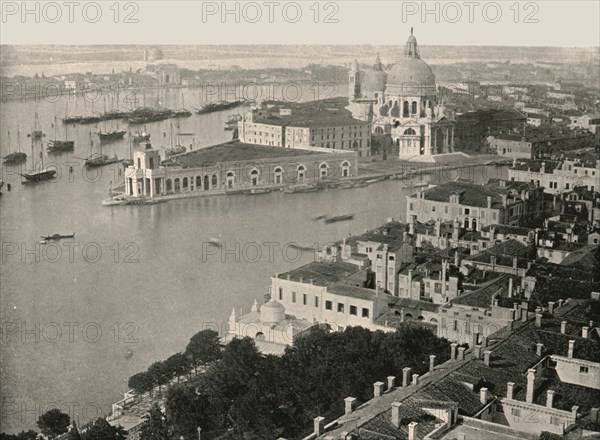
point(318, 425)
point(549, 398)
point(551, 306)
point(563, 327)
point(571, 348)
point(453, 350)
point(477, 352)
point(530, 385)
point(412, 431)
point(415, 379)
point(396, 414)
point(349, 404)
point(539, 348)
point(461, 353)
point(489, 203)
point(406, 376)
point(538, 319)
point(510, 390)
point(483, 395)
point(391, 382)
point(487, 355)
point(584, 332)
point(431, 362)
point(378, 389)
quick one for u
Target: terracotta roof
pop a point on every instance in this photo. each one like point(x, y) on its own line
point(322, 273)
point(482, 297)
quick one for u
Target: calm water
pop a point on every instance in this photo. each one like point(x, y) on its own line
point(138, 282)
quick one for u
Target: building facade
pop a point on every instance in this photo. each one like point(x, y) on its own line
point(402, 103)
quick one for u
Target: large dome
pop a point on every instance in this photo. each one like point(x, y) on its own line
point(411, 76)
point(411, 72)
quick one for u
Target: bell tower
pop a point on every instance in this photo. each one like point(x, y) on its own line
point(354, 80)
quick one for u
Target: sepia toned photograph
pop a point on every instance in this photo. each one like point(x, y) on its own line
point(279, 220)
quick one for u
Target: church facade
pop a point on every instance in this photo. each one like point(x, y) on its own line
point(402, 103)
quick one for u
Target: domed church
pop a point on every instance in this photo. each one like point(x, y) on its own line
point(402, 103)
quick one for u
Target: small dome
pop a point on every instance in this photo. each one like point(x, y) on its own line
point(272, 312)
point(411, 39)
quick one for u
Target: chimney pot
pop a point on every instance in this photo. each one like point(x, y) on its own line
point(563, 327)
point(378, 389)
point(538, 319)
point(510, 390)
point(461, 353)
point(406, 376)
point(487, 356)
point(318, 424)
point(591, 325)
point(584, 332)
point(571, 348)
point(483, 395)
point(432, 362)
point(391, 382)
point(396, 414)
point(594, 414)
point(530, 385)
point(551, 307)
point(549, 398)
point(477, 351)
point(349, 404)
point(574, 410)
point(415, 379)
point(539, 348)
point(412, 431)
point(453, 350)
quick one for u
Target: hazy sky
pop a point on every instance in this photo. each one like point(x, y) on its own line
point(505, 23)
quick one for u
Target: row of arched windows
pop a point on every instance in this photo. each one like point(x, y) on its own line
point(191, 184)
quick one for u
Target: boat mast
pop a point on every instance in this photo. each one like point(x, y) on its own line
point(18, 139)
point(55, 129)
point(9, 142)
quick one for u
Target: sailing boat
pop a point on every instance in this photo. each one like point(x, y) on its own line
point(96, 160)
point(139, 137)
point(37, 176)
point(174, 149)
point(36, 133)
point(109, 136)
point(57, 145)
point(15, 158)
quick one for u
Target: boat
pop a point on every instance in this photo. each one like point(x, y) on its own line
point(339, 218)
point(144, 115)
point(123, 200)
point(232, 122)
point(14, 158)
point(320, 217)
point(183, 113)
point(139, 137)
point(218, 106)
point(256, 191)
point(36, 132)
point(57, 145)
point(95, 160)
point(302, 188)
point(57, 236)
point(177, 149)
point(99, 160)
point(109, 136)
point(37, 176)
point(376, 179)
point(301, 247)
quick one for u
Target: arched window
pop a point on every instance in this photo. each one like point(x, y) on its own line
point(254, 177)
point(323, 169)
point(177, 185)
point(405, 108)
point(410, 132)
point(206, 183)
point(214, 181)
point(301, 172)
point(466, 223)
point(414, 107)
point(398, 142)
point(396, 124)
point(408, 316)
point(278, 175)
point(185, 183)
point(198, 182)
point(230, 179)
point(474, 224)
point(345, 169)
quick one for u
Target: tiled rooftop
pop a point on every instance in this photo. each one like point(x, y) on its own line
point(321, 273)
point(482, 297)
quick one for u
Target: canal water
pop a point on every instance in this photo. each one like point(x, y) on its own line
point(80, 316)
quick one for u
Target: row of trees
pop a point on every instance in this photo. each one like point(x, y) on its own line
point(202, 349)
point(55, 423)
point(273, 397)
